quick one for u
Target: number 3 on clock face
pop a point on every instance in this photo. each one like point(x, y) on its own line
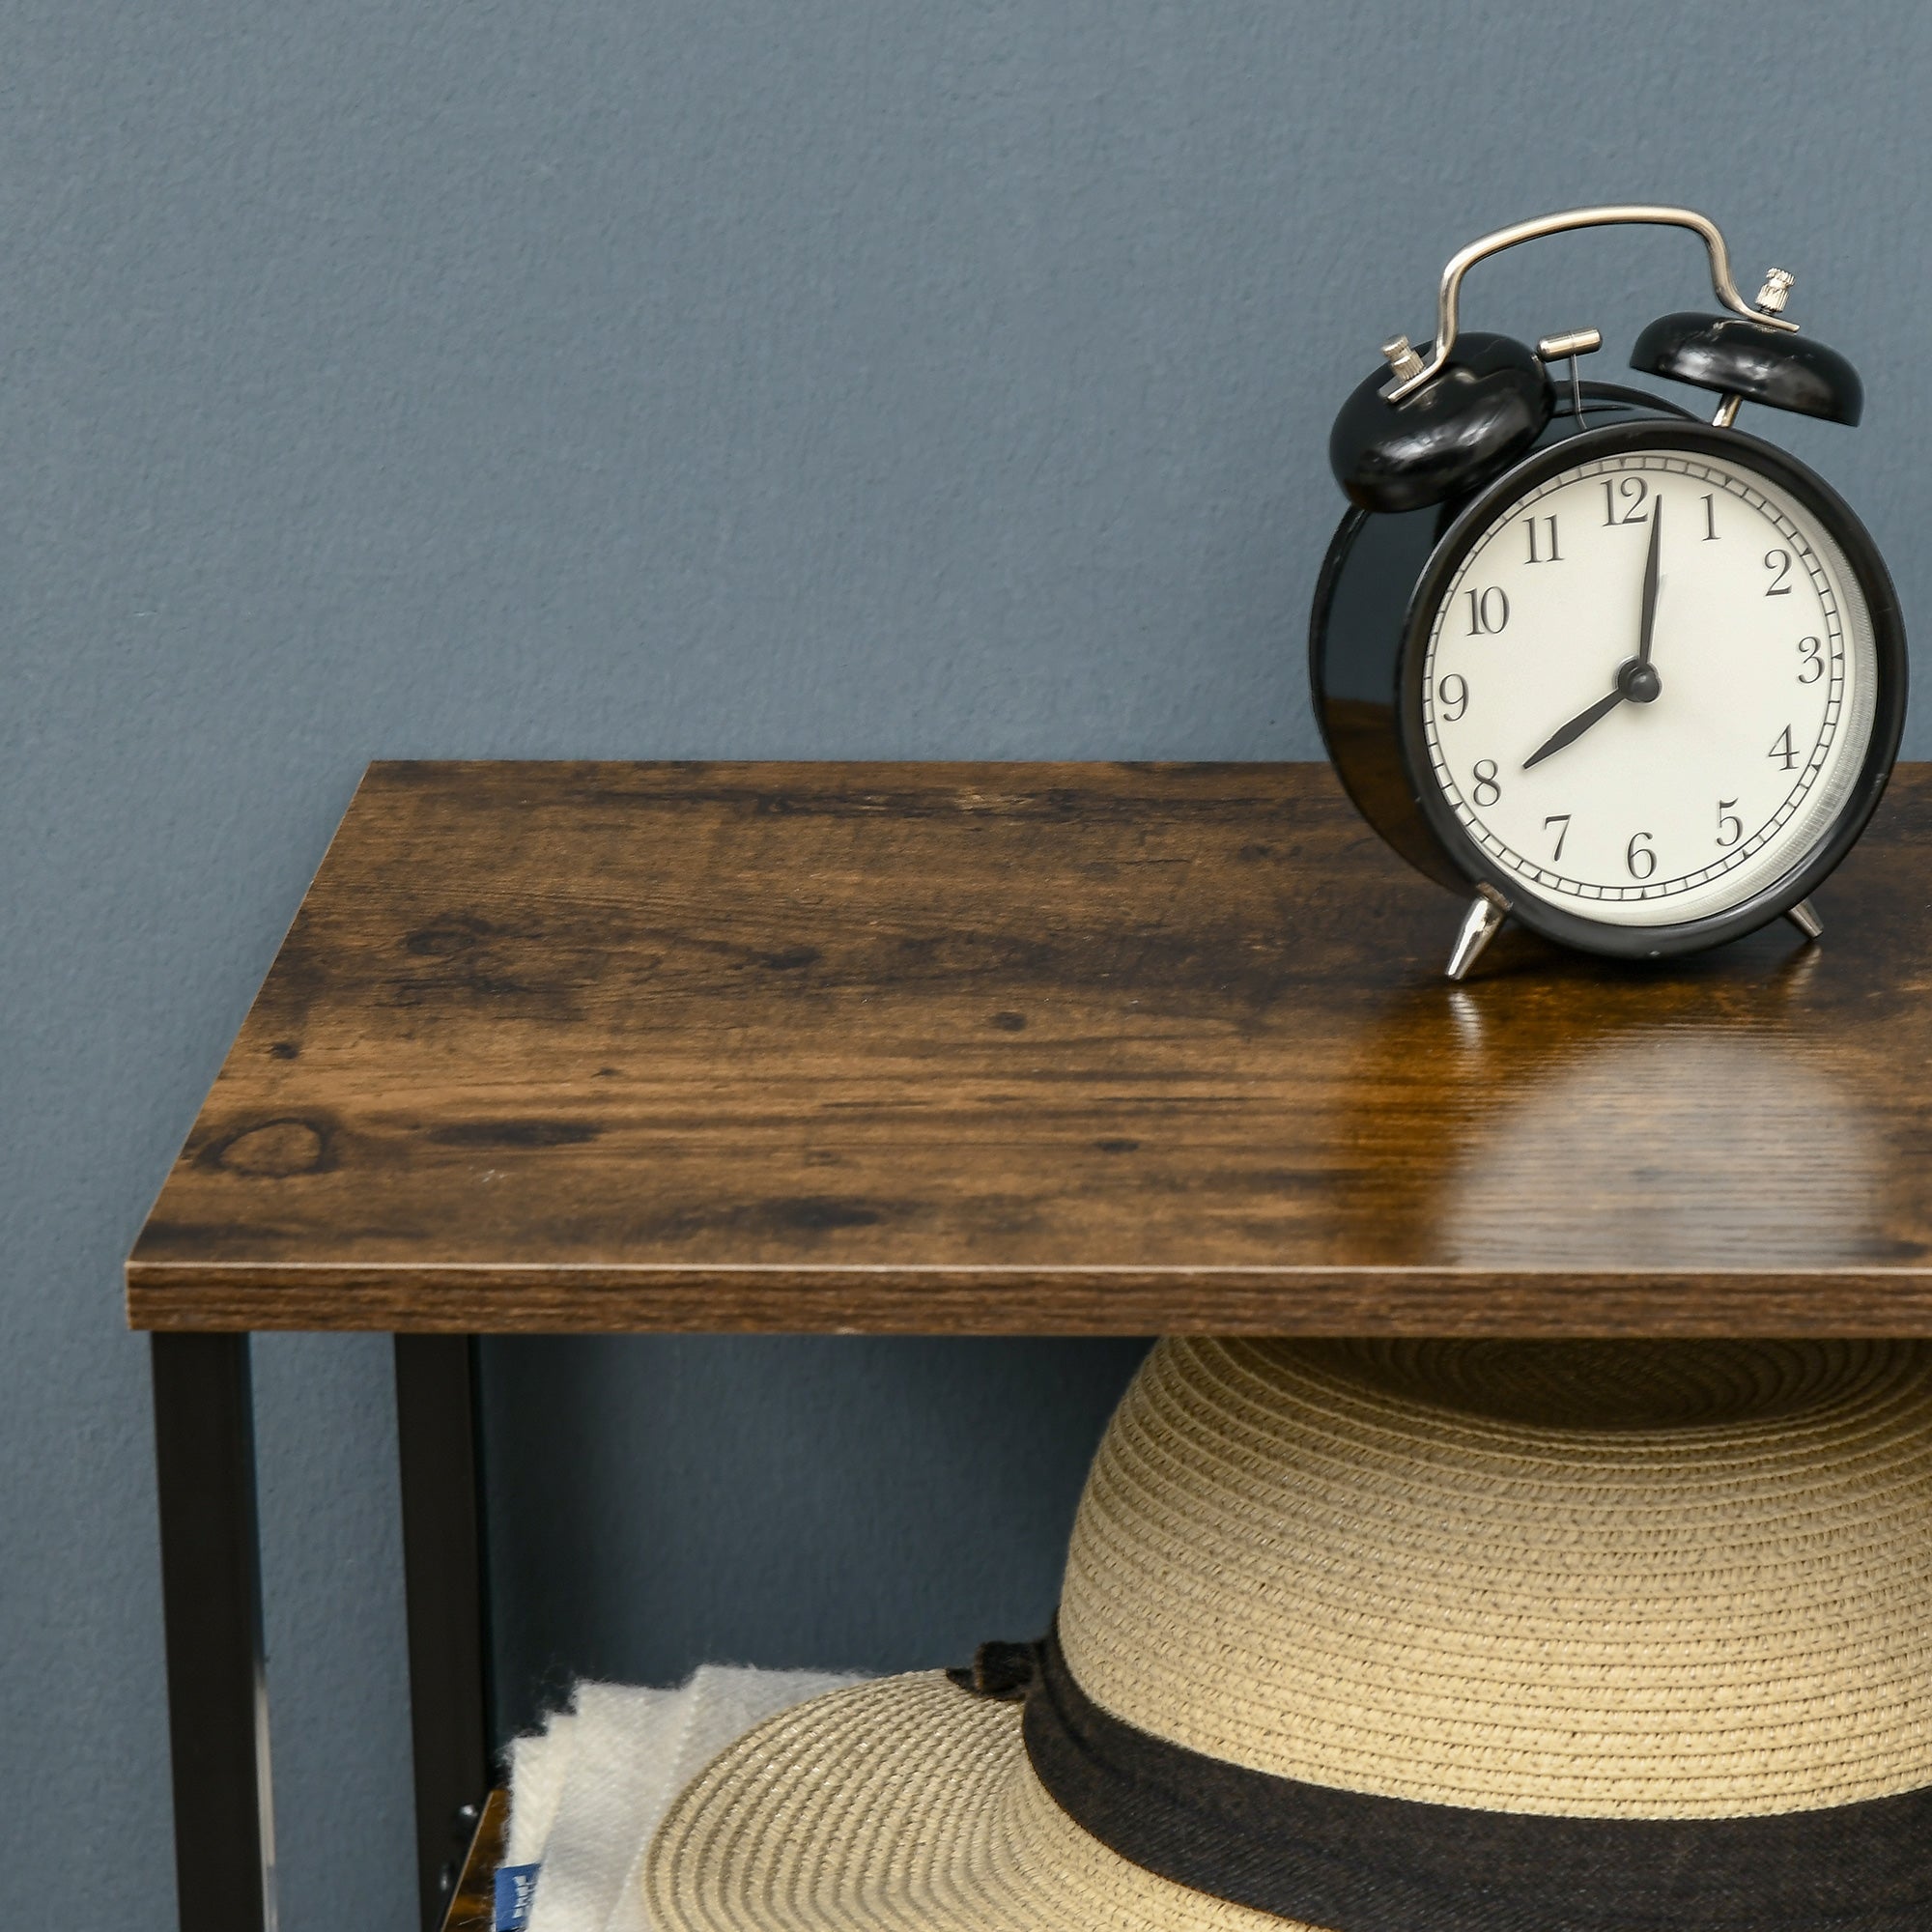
point(1642, 687)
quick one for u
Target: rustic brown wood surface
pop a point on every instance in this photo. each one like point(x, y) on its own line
point(472, 1906)
point(1048, 1048)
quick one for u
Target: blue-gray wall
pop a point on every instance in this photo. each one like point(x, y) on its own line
point(768, 377)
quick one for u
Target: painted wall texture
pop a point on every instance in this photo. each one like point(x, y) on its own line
point(643, 377)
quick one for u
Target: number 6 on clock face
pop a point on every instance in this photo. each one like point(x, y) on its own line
point(1643, 679)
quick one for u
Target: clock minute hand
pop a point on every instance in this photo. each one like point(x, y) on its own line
point(1568, 733)
point(1648, 622)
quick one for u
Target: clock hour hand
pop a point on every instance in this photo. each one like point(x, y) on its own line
point(1568, 733)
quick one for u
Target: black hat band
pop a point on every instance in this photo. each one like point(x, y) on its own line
point(1354, 1862)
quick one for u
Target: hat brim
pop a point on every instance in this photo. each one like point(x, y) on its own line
point(902, 1805)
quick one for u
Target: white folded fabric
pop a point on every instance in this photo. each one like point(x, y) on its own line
point(537, 1765)
point(588, 1790)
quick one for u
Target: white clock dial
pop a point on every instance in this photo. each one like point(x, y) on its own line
point(1650, 810)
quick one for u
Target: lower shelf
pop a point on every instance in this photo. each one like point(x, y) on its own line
point(473, 1908)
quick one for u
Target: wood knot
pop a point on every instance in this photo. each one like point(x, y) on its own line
point(445, 939)
point(273, 1150)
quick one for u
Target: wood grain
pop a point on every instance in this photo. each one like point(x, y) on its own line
point(1031, 1048)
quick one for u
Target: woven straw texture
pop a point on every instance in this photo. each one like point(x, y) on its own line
point(897, 1804)
point(1616, 1580)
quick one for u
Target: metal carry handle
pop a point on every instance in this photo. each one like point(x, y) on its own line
point(1615, 215)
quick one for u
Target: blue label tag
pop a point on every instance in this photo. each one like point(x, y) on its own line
point(515, 1886)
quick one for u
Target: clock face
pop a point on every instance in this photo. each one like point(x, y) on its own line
point(1649, 687)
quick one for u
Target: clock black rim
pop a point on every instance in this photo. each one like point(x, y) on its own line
point(1368, 757)
point(1881, 752)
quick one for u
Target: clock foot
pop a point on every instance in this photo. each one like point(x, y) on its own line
point(1805, 919)
point(1481, 924)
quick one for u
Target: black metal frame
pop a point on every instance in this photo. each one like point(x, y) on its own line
point(212, 1610)
point(439, 1443)
point(212, 1607)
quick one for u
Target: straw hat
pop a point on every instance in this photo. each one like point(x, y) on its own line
point(1428, 1636)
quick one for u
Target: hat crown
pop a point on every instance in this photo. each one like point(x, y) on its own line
point(1636, 1580)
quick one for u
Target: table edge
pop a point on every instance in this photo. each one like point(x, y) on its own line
point(782, 1298)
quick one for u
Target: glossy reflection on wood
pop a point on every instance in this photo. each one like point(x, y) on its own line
point(1047, 1048)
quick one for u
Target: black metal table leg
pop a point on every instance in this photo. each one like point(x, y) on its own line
point(437, 1429)
point(212, 1607)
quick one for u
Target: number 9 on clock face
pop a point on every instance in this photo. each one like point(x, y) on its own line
point(1642, 682)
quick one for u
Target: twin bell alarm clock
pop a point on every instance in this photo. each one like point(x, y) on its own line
point(1631, 678)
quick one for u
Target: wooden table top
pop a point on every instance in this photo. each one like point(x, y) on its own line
point(1031, 1048)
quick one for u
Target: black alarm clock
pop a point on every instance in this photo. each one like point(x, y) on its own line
point(1633, 679)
